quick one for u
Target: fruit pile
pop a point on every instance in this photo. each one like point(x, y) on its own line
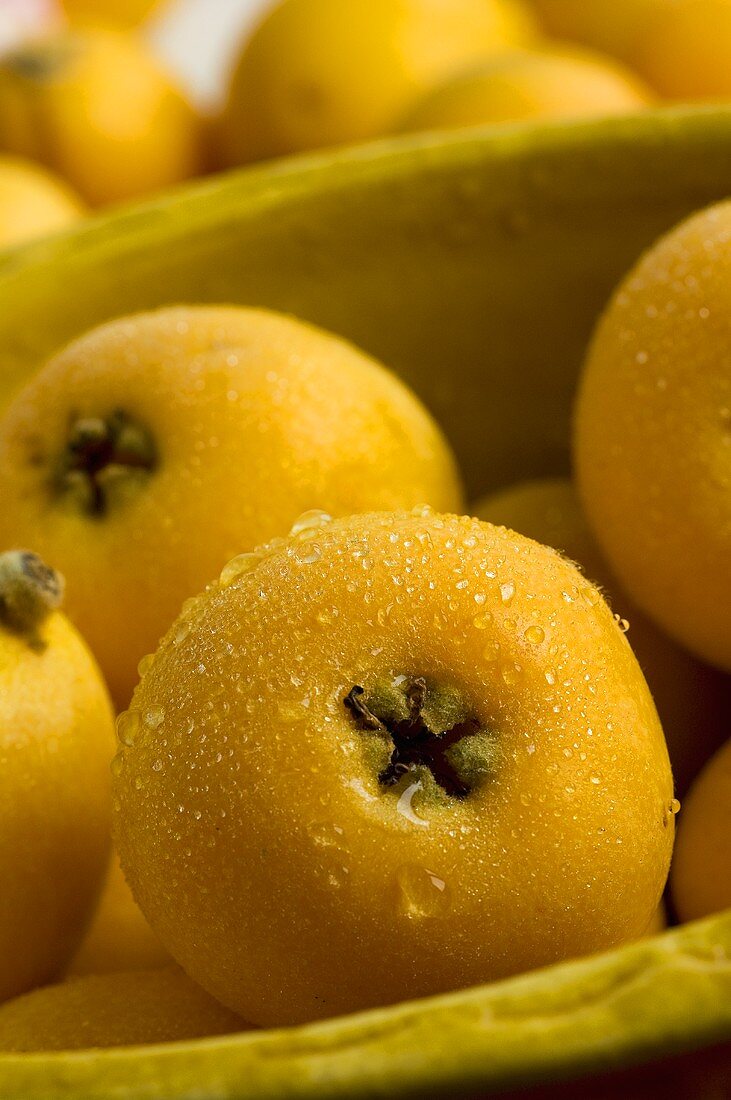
point(288, 727)
point(90, 116)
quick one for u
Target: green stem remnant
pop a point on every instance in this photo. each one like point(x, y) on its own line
point(104, 459)
point(29, 592)
point(426, 728)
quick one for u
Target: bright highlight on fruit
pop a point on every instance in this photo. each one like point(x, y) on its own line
point(318, 73)
point(97, 108)
point(653, 434)
point(518, 86)
point(157, 447)
point(391, 755)
point(33, 202)
point(693, 700)
point(113, 1010)
point(56, 740)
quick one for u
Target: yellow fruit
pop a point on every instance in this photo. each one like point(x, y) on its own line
point(324, 72)
point(56, 740)
point(653, 434)
point(701, 878)
point(122, 13)
point(614, 26)
point(98, 109)
point(155, 448)
point(529, 85)
point(113, 1010)
point(685, 51)
point(119, 938)
point(693, 701)
point(322, 848)
point(32, 202)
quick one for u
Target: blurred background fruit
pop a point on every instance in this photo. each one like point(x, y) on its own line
point(548, 83)
point(121, 13)
point(96, 107)
point(317, 73)
point(119, 937)
point(684, 50)
point(33, 202)
point(613, 26)
point(701, 876)
point(110, 1010)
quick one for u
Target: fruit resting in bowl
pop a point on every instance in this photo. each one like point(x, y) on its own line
point(693, 700)
point(392, 755)
point(109, 1010)
point(56, 740)
point(156, 447)
point(653, 434)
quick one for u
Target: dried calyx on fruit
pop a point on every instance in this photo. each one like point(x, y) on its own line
point(416, 726)
point(104, 457)
point(29, 591)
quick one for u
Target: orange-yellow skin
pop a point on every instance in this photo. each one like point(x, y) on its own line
point(33, 202)
point(701, 876)
point(653, 434)
point(519, 86)
point(120, 13)
point(317, 73)
point(56, 741)
point(255, 417)
point(119, 937)
point(297, 885)
point(685, 49)
point(613, 26)
point(693, 700)
point(98, 109)
point(113, 1010)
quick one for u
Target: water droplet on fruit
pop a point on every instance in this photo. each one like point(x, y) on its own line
point(550, 677)
point(507, 591)
point(481, 622)
point(535, 635)
point(182, 631)
point(623, 624)
point(421, 893)
point(117, 764)
point(310, 521)
point(675, 807)
point(128, 727)
point(491, 652)
point(511, 674)
point(326, 835)
point(153, 716)
point(405, 808)
point(145, 664)
point(238, 567)
point(307, 554)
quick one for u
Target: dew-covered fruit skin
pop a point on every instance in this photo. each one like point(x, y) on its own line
point(701, 874)
point(653, 434)
point(252, 418)
point(249, 815)
point(692, 699)
point(131, 1008)
point(56, 741)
